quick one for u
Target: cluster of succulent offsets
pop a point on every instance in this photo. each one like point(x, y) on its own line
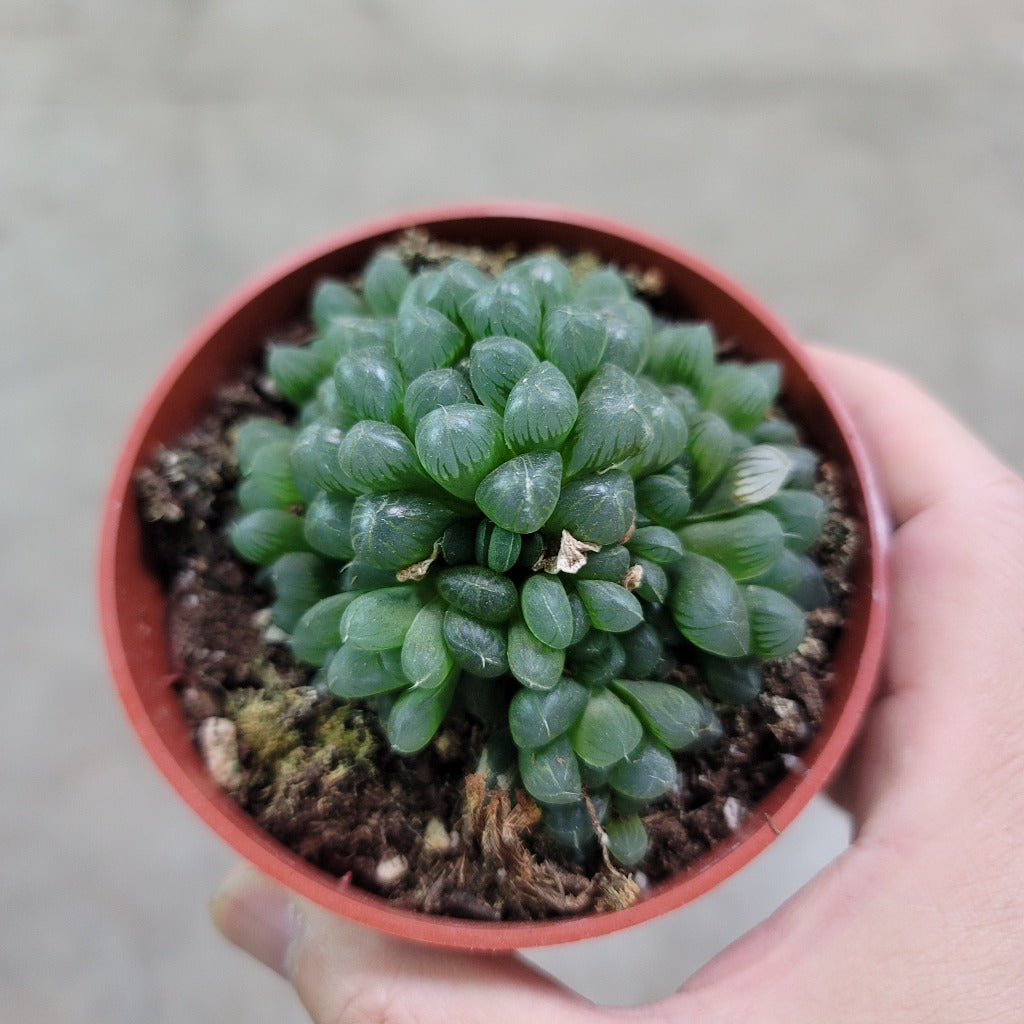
point(528, 497)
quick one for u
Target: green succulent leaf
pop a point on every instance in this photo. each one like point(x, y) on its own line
point(300, 579)
point(674, 716)
point(314, 458)
point(416, 716)
point(265, 535)
point(596, 659)
point(328, 526)
point(610, 426)
point(370, 381)
point(285, 614)
point(742, 395)
point(418, 291)
point(333, 298)
point(709, 609)
point(425, 340)
point(534, 664)
point(746, 544)
point(346, 334)
point(457, 542)
point(270, 469)
point(802, 516)
point(643, 649)
point(575, 339)
point(785, 574)
point(540, 411)
point(669, 433)
point(496, 365)
point(610, 606)
point(478, 591)
point(551, 774)
point(664, 499)
point(355, 674)
point(804, 472)
point(776, 431)
point(646, 772)
point(657, 543)
point(520, 495)
point(396, 529)
point(683, 353)
point(506, 306)
point(606, 731)
point(812, 591)
point(777, 625)
point(758, 473)
point(358, 577)
point(253, 434)
point(426, 661)
point(251, 497)
point(603, 284)
point(627, 839)
point(377, 456)
point(548, 276)
point(496, 548)
point(384, 282)
point(447, 289)
point(458, 445)
point(546, 610)
point(629, 329)
point(710, 447)
point(654, 582)
point(571, 825)
point(318, 631)
point(327, 408)
point(480, 648)
point(536, 717)
point(486, 699)
point(434, 389)
point(610, 563)
point(580, 619)
point(770, 373)
point(378, 620)
point(733, 680)
point(598, 508)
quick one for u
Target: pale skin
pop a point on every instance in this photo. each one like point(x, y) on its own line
point(922, 918)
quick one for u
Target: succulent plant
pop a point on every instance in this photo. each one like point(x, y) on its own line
point(527, 496)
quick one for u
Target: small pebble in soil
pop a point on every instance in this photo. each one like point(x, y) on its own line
point(734, 812)
point(390, 871)
point(436, 838)
point(218, 743)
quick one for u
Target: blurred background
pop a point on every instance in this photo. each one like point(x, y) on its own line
point(860, 167)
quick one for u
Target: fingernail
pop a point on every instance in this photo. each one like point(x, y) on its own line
point(257, 916)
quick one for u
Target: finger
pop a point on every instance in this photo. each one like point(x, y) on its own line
point(957, 572)
point(346, 974)
point(923, 453)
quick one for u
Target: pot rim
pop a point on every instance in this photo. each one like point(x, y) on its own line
point(156, 728)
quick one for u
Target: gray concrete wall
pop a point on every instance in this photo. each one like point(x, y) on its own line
point(860, 167)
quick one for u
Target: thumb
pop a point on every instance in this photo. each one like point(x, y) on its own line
point(345, 974)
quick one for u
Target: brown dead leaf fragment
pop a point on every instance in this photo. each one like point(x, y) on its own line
point(570, 556)
point(524, 880)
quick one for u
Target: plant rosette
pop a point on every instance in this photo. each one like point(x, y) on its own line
point(570, 492)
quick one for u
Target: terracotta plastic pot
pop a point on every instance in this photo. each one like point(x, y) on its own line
point(133, 607)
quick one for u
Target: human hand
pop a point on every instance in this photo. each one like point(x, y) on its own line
point(922, 918)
